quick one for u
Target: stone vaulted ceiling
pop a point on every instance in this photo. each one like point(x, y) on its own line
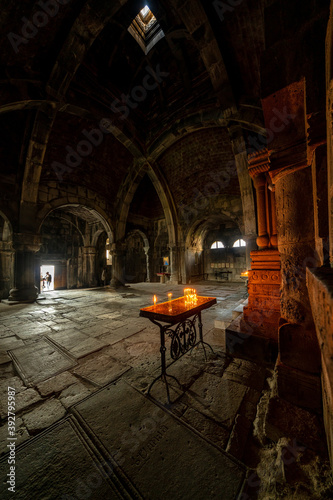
point(71, 72)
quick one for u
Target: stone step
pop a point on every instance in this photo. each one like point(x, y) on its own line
point(237, 311)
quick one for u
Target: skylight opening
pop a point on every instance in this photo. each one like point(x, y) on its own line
point(144, 11)
point(146, 30)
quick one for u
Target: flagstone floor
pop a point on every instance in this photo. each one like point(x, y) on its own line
point(77, 353)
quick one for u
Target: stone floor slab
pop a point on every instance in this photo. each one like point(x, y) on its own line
point(56, 384)
point(101, 369)
point(162, 458)
point(217, 398)
point(122, 332)
point(57, 464)
point(44, 416)
point(74, 393)
point(68, 339)
point(10, 343)
point(86, 347)
point(40, 360)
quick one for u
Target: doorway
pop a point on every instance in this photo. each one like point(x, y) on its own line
point(43, 285)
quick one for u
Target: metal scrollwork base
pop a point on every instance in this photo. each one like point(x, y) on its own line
point(183, 339)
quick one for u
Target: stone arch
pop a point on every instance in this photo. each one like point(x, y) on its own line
point(96, 211)
point(194, 257)
point(143, 236)
point(127, 193)
point(6, 229)
point(137, 259)
point(205, 120)
point(79, 266)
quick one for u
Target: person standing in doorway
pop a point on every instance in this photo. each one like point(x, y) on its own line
point(48, 279)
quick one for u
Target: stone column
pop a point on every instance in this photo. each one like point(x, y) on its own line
point(7, 257)
point(263, 311)
point(273, 237)
point(251, 246)
point(260, 184)
point(148, 259)
point(118, 253)
point(245, 181)
point(174, 267)
point(89, 266)
point(298, 364)
point(25, 246)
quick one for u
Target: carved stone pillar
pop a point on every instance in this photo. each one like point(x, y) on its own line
point(174, 264)
point(118, 255)
point(25, 246)
point(89, 266)
point(263, 311)
point(292, 151)
point(255, 335)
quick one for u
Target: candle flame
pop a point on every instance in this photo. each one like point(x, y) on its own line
point(155, 300)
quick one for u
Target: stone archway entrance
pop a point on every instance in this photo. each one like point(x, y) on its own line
point(73, 241)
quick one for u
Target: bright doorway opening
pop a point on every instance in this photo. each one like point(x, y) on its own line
point(46, 285)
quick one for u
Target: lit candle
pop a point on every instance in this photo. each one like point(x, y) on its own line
point(170, 305)
point(155, 300)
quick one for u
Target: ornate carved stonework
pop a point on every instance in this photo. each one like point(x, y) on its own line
point(263, 310)
point(259, 162)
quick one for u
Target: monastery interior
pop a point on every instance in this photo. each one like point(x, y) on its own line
point(172, 144)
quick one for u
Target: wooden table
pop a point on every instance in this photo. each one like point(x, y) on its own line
point(221, 273)
point(162, 276)
point(184, 336)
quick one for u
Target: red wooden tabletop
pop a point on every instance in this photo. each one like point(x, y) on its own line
point(176, 310)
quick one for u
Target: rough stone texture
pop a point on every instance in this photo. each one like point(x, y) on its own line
point(222, 384)
point(238, 437)
point(100, 369)
point(50, 453)
point(45, 415)
point(56, 384)
point(247, 373)
point(285, 419)
point(40, 359)
point(208, 428)
point(74, 393)
point(216, 398)
point(320, 283)
point(140, 436)
point(299, 387)
point(21, 435)
point(68, 339)
point(26, 399)
point(299, 348)
point(87, 347)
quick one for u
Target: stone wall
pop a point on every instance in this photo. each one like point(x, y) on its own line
point(320, 287)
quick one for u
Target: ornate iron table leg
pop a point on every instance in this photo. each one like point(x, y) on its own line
point(163, 376)
point(201, 340)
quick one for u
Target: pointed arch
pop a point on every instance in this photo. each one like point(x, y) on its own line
point(128, 189)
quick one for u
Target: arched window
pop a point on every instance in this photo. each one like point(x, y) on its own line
point(217, 244)
point(239, 243)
